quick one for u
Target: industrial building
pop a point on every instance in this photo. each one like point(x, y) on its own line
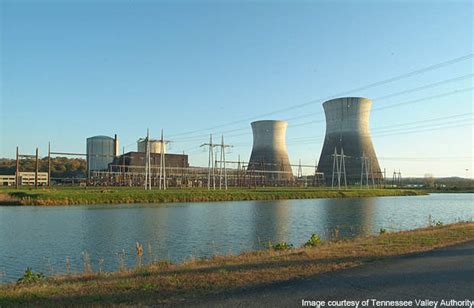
point(135, 162)
point(101, 151)
point(348, 154)
point(24, 179)
point(269, 158)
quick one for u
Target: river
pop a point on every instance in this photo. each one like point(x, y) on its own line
point(42, 237)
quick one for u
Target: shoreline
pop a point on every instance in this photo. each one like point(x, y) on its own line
point(166, 283)
point(108, 196)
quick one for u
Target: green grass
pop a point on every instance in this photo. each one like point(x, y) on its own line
point(165, 283)
point(116, 195)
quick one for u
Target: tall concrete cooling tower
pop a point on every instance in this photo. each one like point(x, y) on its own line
point(269, 158)
point(347, 128)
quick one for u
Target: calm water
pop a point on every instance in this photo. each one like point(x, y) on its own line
point(42, 237)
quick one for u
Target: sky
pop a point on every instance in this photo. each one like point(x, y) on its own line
point(75, 69)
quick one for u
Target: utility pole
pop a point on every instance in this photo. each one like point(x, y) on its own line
point(17, 172)
point(49, 164)
point(222, 163)
point(300, 170)
point(364, 170)
point(335, 166)
point(88, 159)
point(147, 161)
point(315, 180)
point(183, 173)
point(163, 143)
point(210, 166)
point(372, 172)
point(238, 171)
point(384, 178)
point(123, 166)
point(343, 163)
point(36, 170)
point(397, 178)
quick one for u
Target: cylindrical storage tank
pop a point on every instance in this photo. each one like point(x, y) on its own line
point(347, 128)
point(269, 156)
point(155, 146)
point(100, 151)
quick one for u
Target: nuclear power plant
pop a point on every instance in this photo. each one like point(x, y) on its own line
point(348, 153)
point(347, 158)
point(269, 155)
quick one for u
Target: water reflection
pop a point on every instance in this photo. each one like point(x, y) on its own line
point(42, 237)
point(349, 217)
point(270, 222)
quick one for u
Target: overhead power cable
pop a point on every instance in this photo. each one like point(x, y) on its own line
point(368, 86)
point(377, 99)
point(201, 136)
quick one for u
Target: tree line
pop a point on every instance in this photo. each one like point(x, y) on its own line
point(61, 167)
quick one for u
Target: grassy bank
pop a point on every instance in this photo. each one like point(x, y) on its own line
point(69, 196)
point(167, 283)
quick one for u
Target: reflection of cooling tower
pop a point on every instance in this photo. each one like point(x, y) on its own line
point(269, 150)
point(347, 128)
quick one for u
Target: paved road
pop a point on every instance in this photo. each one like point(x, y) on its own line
point(446, 273)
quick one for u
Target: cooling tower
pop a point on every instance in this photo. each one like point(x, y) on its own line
point(347, 128)
point(269, 157)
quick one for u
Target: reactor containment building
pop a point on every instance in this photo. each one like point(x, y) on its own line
point(348, 151)
point(269, 159)
point(101, 151)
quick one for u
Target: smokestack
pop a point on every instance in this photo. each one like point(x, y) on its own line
point(269, 154)
point(347, 128)
point(116, 146)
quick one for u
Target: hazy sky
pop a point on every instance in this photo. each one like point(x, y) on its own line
point(74, 69)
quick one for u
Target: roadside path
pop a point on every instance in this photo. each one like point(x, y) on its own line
point(446, 273)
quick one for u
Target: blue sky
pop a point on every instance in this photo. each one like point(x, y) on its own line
point(70, 70)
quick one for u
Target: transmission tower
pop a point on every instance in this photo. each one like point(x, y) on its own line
point(211, 164)
point(315, 180)
point(364, 170)
point(339, 167)
point(300, 170)
point(397, 178)
point(239, 167)
point(222, 163)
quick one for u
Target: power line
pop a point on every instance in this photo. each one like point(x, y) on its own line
point(389, 129)
point(431, 85)
point(377, 99)
point(371, 85)
point(397, 104)
point(445, 94)
point(427, 120)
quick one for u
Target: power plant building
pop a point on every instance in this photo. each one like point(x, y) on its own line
point(348, 144)
point(101, 151)
point(155, 145)
point(269, 156)
point(135, 162)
